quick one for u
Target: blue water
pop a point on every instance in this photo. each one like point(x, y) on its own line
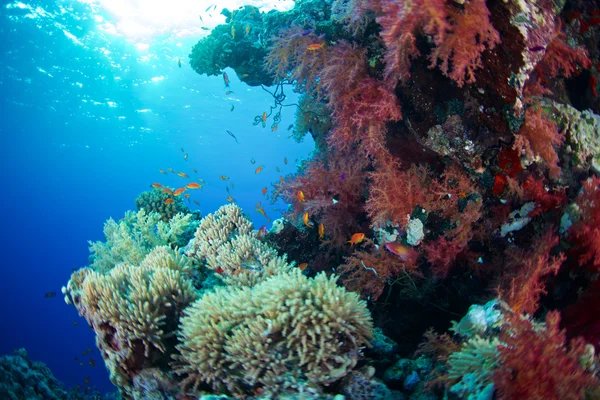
point(84, 129)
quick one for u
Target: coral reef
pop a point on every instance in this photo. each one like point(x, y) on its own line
point(153, 201)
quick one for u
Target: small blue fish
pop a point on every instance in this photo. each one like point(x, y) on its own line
point(343, 175)
point(306, 32)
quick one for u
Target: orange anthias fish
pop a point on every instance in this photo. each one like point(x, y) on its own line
point(257, 171)
point(193, 185)
point(303, 266)
point(230, 199)
point(183, 175)
point(315, 46)
point(224, 178)
point(264, 214)
point(274, 128)
point(171, 170)
point(305, 220)
point(197, 202)
point(167, 191)
point(281, 179)
point(178, 192)
point(300, 196)
point(356, 238)
point(321, 231)
point(264, 190)
point(162, 171)
point(285, 160)
point(195, 171)
point(169, 201)
point(156, 185)
point(405, 253)
point(264, 116)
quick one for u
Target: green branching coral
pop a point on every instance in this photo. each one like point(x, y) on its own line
point(130, 240)
point(134, 311)
point(241, 338)
point(154, 201)
point(225, 242)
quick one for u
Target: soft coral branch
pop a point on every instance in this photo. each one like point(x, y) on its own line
point(586, 233)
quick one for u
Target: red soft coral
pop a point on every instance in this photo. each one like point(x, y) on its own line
point(393, 194)
point(586, 233)
point(525, 273)
point(534, 190)
point(460, 35)
point(535, 364)
point(361, 105)
point(562, 59)
point(537, 137)
point(342, 175)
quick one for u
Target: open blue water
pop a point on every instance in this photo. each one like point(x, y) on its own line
point(87, 120)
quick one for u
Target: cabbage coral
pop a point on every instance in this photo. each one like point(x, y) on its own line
point(224, 241)
point(154, 201)
point(241, 338)
point(134, 311)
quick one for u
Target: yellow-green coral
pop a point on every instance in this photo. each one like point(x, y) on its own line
point(289, 324)
point(130, 240)
point(154, 201)
point(134, 311)
point(225, 242)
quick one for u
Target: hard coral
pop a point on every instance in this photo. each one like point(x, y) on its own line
point(240, 339)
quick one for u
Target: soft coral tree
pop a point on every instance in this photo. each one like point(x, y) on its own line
point(586, 232)
point(361, 105)
point(537, 365)
point(459, 34)
point(340, 175)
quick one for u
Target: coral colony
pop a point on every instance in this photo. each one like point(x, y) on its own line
point(442, 242)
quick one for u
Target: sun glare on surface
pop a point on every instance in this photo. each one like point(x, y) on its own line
point(143, 19)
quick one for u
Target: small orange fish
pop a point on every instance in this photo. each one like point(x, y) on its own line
point(405, 253)
point(92, 362)
point(263, 213)
point(167, 190)
point(187, 195)
point(195, 171)
point(305, 220)
point(169, 201)
point(197, 202)
point(257, 171)
point(274, 128)
point(315, 46)
point(257, 206)
point(171, 170)
point(193, 185)
point(356, 238)
point(264, 116)
point(303, 266)
point(156, 185)
point(185, 157)
point(162, 171)
point(178, 192)
point(86, 381)
point(264, 190)
point(224, 178)
point(285, 160)
point(219, 270)
point(300, 196)
point(281, 179)
point(230, 199)
point(321, 231)
point(183, 175)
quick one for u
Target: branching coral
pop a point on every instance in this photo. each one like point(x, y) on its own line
point(154, 201)
point(586, 232)
point(289, 324)
point(225, 242)
point(130, 240)
point(134, 311)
